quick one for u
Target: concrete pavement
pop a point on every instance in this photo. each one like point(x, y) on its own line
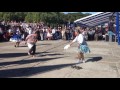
point(52, 61)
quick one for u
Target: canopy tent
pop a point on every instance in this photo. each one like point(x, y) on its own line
point(100, 18)
point(95, 19)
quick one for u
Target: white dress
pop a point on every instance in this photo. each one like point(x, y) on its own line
point(49, 34)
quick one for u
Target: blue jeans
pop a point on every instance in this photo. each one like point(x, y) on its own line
point(110, 33)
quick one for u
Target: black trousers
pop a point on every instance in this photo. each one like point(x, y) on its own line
point(1, 37)
point(33, 50)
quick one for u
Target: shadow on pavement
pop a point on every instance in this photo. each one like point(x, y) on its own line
point(20, 72)
point(50, 54)
point(45, 44)
point(28, 61)
point(8, 55)
point(94, 59)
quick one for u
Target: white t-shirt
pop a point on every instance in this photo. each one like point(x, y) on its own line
point(9, 30)
point(1, 31)
point(29, 30)
point(79, 39)
point(53, 31)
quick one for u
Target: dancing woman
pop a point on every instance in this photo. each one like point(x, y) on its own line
point(82, 46)
point(16, 38)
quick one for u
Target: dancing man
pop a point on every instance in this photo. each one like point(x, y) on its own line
point(31, 42)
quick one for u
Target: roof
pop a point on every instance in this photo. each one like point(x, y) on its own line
point(95, 19)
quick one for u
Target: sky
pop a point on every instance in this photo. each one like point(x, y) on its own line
point(90, 12)
point(82, 12)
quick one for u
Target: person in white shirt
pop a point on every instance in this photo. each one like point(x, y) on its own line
point(63, 33)
point(29, 30)
point(53, 31)
point(1, 31)
point(82, 46)
point(10, 30)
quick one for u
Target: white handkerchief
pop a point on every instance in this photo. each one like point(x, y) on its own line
point(30, 45)
point(66, 47)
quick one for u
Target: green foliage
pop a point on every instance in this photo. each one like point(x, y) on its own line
point(51, 18)
point(29, 17)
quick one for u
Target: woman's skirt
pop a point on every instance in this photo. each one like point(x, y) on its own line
point(84, 49)
point(15, 40)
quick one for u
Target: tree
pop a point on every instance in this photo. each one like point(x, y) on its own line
point(1, 16)
point(19, 16)
point(51, 18)
point(28, 17)
point(6, 17)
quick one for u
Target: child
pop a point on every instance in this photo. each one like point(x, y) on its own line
point(82, 45)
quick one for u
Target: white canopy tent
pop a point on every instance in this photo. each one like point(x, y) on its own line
point(99, 19)
point(95, 19)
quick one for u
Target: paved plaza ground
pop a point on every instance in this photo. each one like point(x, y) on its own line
point(52, 61)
